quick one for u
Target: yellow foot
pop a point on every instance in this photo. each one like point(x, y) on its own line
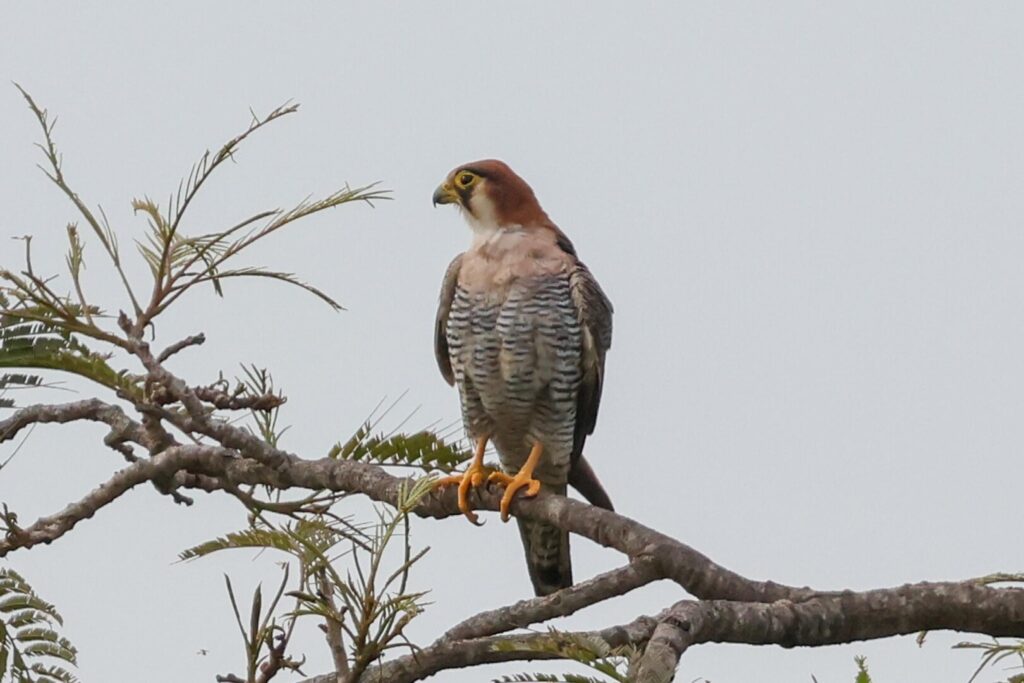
point(512, 485)
point(476, 475)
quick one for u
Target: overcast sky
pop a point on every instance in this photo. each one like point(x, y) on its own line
point(807, 215)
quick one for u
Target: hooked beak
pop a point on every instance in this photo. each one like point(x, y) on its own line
point(445, 194)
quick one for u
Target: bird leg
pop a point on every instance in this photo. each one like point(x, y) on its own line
point(523, 478)
point(475, 475)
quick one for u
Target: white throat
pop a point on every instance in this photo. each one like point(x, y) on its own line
point(491, 237)
point(484, 222)
point(481, 216)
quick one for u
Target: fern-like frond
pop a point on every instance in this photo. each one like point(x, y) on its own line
point(862, 669)
point(259, 382)
point(203, 259)
point(29, 339)
point(423, 449)
point(306, 539)
point(16, 381)
point(247, 538)
point(51, 674)
point(216, 277)
point(548, 678)
point(31, 649)
point(208, 163)
point(55, 173)
point(590, 651)
point(993, 653)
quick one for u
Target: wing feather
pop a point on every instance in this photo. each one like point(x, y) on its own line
point(595, 314)
point(444, 307)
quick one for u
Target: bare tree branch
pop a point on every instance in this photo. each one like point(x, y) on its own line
point(442, 656)
point(842, 618)
point(225, 401)
point(194, 340)
point(92, 409)
point(563, 603)
point(174, 461)
point(730, 607)
point(806, 618)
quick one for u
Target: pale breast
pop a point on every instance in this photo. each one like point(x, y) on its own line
point(498, 261)
point(520, 353)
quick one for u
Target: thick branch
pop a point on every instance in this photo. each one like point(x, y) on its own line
point(677, 561)
point(459, 654)
point(225, 401)
point(170, 463)
point(843, 618)
point(734, 608)
point(562, 603)
point(92, 409)
point(966, 606)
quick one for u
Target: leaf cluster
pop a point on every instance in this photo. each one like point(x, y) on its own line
point(12, 381)
point(31, 649)
point(592, 652)
point(995, 652)
point(265, 638)
point(35, 336)
point(367, 605)
point(424, 449)
point(44, 327)
point(862, 669)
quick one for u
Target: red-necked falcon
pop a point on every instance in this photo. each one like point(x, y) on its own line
point(522, 329)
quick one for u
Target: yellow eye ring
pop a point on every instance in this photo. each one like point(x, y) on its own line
point(465, 179)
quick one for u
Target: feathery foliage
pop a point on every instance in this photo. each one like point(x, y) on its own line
point(259, 382)
point(592, 652)
point(423, 449)
point(44, 328)
point(307, 540)
point(368, 606)
point(32, 336)
point(862, 669)
point(995, 652)
point(548, 678)
point(31, 649)
point(265, 632)
point(11, 381)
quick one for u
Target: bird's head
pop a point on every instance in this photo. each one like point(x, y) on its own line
point(491, 196)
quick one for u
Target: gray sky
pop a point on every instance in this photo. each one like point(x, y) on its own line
point(807, 216)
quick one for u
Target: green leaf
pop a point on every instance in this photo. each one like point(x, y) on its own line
point(32, 339)
point(52, 673)
point(22, 601)
point(247, 538)
point(29, 641)
point(306, 539)
point(29, 617)
point(37, 633)
point(12, 582)
point(546, 678)
point(862, 669)
point(61, 650)
point(592, 652)
point(422, 449)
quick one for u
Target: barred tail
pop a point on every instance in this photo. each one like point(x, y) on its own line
point(547, 554)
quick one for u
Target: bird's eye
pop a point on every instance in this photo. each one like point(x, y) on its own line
point(466, 179)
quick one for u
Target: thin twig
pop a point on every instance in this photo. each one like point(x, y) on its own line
point(194, 340)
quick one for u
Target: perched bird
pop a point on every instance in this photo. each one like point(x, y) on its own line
point(522, 328)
